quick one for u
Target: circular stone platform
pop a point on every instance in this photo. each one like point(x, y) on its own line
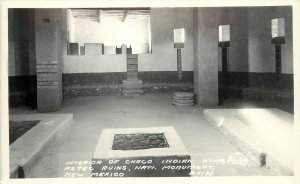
point(183, 99)
point(183, 94)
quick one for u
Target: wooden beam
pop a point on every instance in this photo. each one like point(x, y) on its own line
point(99, 15)
point(125, 15)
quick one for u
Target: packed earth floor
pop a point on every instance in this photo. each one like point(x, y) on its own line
point(207, 146)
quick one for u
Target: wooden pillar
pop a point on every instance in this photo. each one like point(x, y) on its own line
point(179, 64)
point(278, 61)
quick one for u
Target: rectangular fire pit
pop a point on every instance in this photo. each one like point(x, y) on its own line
point(140, 152)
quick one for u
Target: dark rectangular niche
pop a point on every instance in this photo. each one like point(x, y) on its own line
point(73, 48)
point(139, 141)
point(118, 50)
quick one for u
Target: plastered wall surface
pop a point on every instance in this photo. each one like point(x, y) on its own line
point(237, 18)
point(250, 51)
point(261, 51)
point(21, 42)
point(95, 64)
point(111, 33)
point(163, 57)
point(250, 31)
point(70, 26)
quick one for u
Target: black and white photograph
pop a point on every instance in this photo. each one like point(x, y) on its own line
point(144, 91)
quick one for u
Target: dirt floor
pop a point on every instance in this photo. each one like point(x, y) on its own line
point(206, 145)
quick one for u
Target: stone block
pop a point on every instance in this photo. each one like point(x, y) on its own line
point(82, 50)
point(110, 50)
point(124, 49)
point(94, 49)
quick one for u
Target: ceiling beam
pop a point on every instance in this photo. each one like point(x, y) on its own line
point(125, 15)
point(99, 15)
